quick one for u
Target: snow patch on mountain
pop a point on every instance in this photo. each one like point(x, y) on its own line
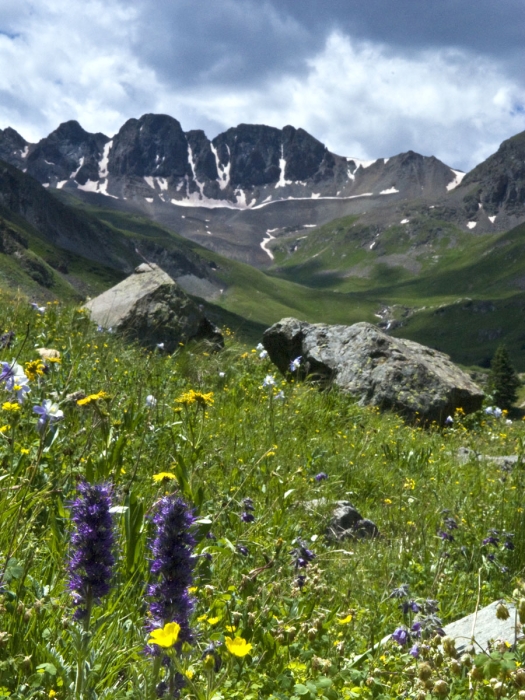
point(392, 190)
point(458, 177)
point(103, 164)
point(266, 240)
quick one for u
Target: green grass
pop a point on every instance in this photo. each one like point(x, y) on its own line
point(245, 441)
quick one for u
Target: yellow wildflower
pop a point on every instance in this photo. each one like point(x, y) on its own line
point(34, 369)
point(11, 407)
point(387, 501)
point(238, 646)
point(24, 451)
point(165, 636)
point(213, 620)
point(345, 620)
point(163, 476)
point(409, 484)
point(4, 429)
point(93, 397)
point(190, 397)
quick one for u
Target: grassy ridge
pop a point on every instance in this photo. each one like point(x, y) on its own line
point(242, 438)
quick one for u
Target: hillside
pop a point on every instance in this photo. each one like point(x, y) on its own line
point(147, 496)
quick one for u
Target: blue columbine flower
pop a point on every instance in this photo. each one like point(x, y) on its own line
point(295, 364)
point(90, 566)
point(449, 420)
point(49, 413)
point(414, 651)
point(269, 380)
point(401, 592)
point(498, 412)
point(247, 517)
point(172, 565)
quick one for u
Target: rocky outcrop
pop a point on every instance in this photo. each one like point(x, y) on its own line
point(390, 373)
point(347, 523)
point(498, 184)
point(151, 308)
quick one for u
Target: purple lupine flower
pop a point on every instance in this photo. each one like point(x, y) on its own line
point(445, 536)
point(401, 636)
point(90, 566)
point(247, 517)
point(321, 476)
point(172, 565)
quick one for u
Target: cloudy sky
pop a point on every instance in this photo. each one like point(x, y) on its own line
point(369, 78)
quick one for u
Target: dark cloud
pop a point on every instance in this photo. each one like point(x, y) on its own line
point(244, 41)
point(228, 42)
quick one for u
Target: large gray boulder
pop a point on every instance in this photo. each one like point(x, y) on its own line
point(149, 306)
point(416, 381)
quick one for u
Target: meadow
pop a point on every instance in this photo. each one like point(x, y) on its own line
point(163, 528)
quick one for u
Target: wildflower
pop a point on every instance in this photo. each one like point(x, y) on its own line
point(300, 580)
point(222, 374)
point(10, 407)
point(445, 536)
point(346, 620)
point(508, 421)
point(6, 339)
point(414, 651)
point(427, 626)
point(12, 374)
point(90, 566)
point(401, 592)
point(295, 364)
point(190, 397)
point(238, 646)
point(34, 369)
point(49, 413)
point(280, 396)
point(248, 504)
point(151, 401)
point(247, 517)
point(491, 539)
point(260, 347)
point(102, 395)
point(172, 565)
point(263, 354)
point(409, 605)
point(449, 420)
point(302, 555)
point(242, 550)
point(321, 476)
point(40, 309)
point(401, 636)
point(20, 391)
point(100, 329)
point(498, 413)
point(509, 544)
point(163, 476)
point(160, 346)
point(450, 524)
point(269, 380)
point(165, 636)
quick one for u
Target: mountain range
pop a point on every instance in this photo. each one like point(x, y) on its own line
point(397, 239)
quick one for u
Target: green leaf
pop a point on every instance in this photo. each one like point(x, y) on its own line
point(300, 689)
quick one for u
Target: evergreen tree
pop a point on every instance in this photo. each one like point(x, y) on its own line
point(503, 380)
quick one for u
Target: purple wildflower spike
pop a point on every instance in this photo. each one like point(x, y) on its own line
point(172, 565)
point(90, 566)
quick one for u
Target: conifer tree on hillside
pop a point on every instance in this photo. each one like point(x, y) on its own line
point(503, 379)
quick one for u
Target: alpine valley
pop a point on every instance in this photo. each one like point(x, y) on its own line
point(261, 223)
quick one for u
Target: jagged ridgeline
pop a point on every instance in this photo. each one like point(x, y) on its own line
point(405, 240)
